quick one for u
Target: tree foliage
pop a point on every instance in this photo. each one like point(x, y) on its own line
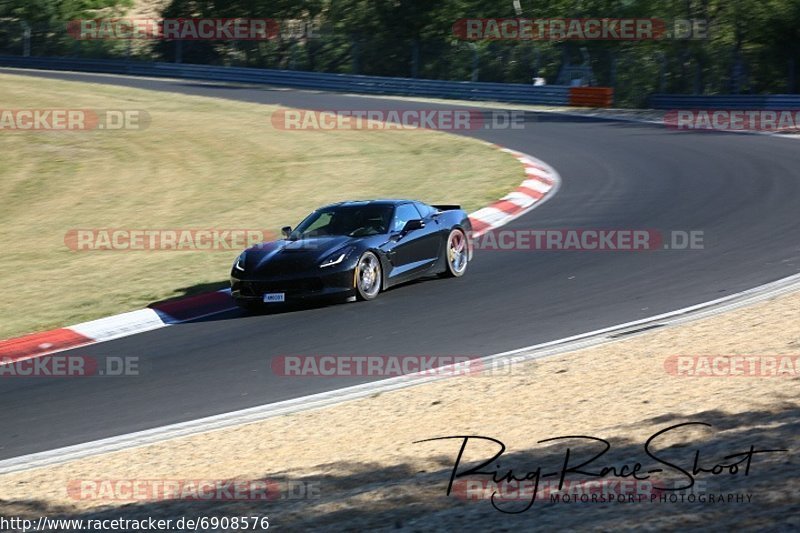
point(753, 46)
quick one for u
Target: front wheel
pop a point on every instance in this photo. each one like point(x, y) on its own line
point(457, 254)
point(368, 276)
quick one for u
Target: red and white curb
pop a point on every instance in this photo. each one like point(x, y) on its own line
point(369, 390)
point(113, 327)
point(541, 183)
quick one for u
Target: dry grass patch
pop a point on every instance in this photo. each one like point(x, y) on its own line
point(201, 163)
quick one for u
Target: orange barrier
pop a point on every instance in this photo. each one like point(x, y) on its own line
point(591, 96)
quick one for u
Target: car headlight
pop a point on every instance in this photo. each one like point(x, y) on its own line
point(336, 257)
point(240, 261)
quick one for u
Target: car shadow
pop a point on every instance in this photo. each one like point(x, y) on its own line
point(231, 312)
point(194, 290)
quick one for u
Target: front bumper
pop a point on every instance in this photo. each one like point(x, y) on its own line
point(295, 288)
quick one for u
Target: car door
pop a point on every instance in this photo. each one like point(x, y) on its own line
point(414, 252)
point(437, 232)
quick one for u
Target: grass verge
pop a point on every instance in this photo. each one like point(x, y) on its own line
point(201, 163)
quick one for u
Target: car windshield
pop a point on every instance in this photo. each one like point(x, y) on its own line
point(350, 220)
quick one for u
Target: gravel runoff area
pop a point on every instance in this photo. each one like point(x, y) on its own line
point(358, 465)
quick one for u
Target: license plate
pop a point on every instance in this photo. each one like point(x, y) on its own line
point(274, 297)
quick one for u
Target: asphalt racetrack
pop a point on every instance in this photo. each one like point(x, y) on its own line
point(741, 191)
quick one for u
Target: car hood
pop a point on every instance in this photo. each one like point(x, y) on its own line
point(287, 257)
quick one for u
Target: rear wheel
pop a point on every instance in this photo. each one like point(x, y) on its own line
point(457, 254)
point(368, 277)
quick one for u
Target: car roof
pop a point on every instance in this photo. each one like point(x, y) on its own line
point(355, 203)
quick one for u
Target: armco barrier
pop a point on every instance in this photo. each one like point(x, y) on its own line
point(747, 101)
point(591, 96)
point(463, 90)
point(504, 92)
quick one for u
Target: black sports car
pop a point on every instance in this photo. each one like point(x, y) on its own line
point(354, 249)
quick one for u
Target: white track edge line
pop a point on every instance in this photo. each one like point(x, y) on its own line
point(254, 414)
point(320, 400)
point(326, 399)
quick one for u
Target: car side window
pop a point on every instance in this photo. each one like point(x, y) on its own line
point(402, 214)
point(319, 225)
point(424, 209)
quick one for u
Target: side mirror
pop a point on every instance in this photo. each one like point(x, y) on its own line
point(413, 224)
point(286, 231)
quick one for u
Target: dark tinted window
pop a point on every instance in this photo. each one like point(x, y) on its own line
point(424, 209)
point(351, 220)
point(403, 214)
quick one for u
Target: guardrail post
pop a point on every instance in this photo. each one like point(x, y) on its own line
point(293, 55)
point(613, 69)
point(355, 52)
point(26, 39)
point(698, 78)
point(476, 61)
point(415, 58)
point(537, 62)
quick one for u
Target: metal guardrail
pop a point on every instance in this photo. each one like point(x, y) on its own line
point(749, 101)
point(558, 95)
point(463, 90)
